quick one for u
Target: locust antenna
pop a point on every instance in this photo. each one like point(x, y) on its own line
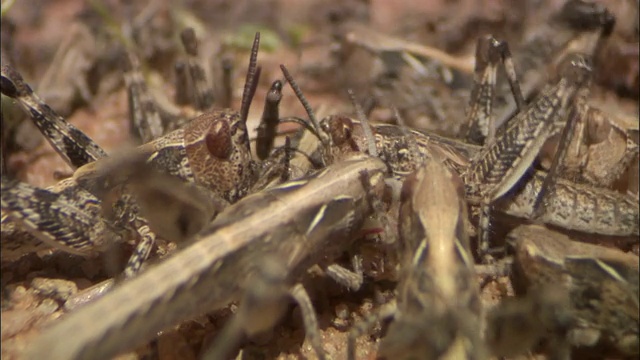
point(269, 121)
point(251, 81)
point(305, 104)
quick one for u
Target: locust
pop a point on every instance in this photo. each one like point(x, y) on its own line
point(293, 223)
point(212, 151)
point(575, 206)
point(427, 89)
point(515, 325)
point(502, 162)
point(437, 312)
point(605, 146)
point(556, 109)
point(579, 26)
point(151, 118)
point(592, 130)
point(332, 207)
point(602, 285)
point(502, 165)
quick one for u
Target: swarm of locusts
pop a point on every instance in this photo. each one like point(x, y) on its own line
point(475, 245)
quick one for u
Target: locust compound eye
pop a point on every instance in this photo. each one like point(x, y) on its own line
point(218, 140)
point(340, 129)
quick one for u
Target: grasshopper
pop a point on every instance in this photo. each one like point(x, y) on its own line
point(582, 149)
point(579, 27)
point(151, 118)
point(502, 162)
point(327, 210)
point(295, 221)
point(602, 284)
point(212, 150)
point(513, 151)
point(438, 311)
point(575, 206)
point(495, 170)
point(428, 94)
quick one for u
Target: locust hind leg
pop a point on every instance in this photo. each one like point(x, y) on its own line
point(71, 218)
point(144, 116)
point(142, 250)
point(148, 119)
point(201, 92)
point(576, 69)
point(503, 162)
point(68, 219)
point(490, 52)
point(72, 144)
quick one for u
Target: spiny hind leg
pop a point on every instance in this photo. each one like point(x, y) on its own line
point(490, 53)
point(148, 118)
point(72, 144)
point(69, 219)
point(144, 116)
point(201, 92)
